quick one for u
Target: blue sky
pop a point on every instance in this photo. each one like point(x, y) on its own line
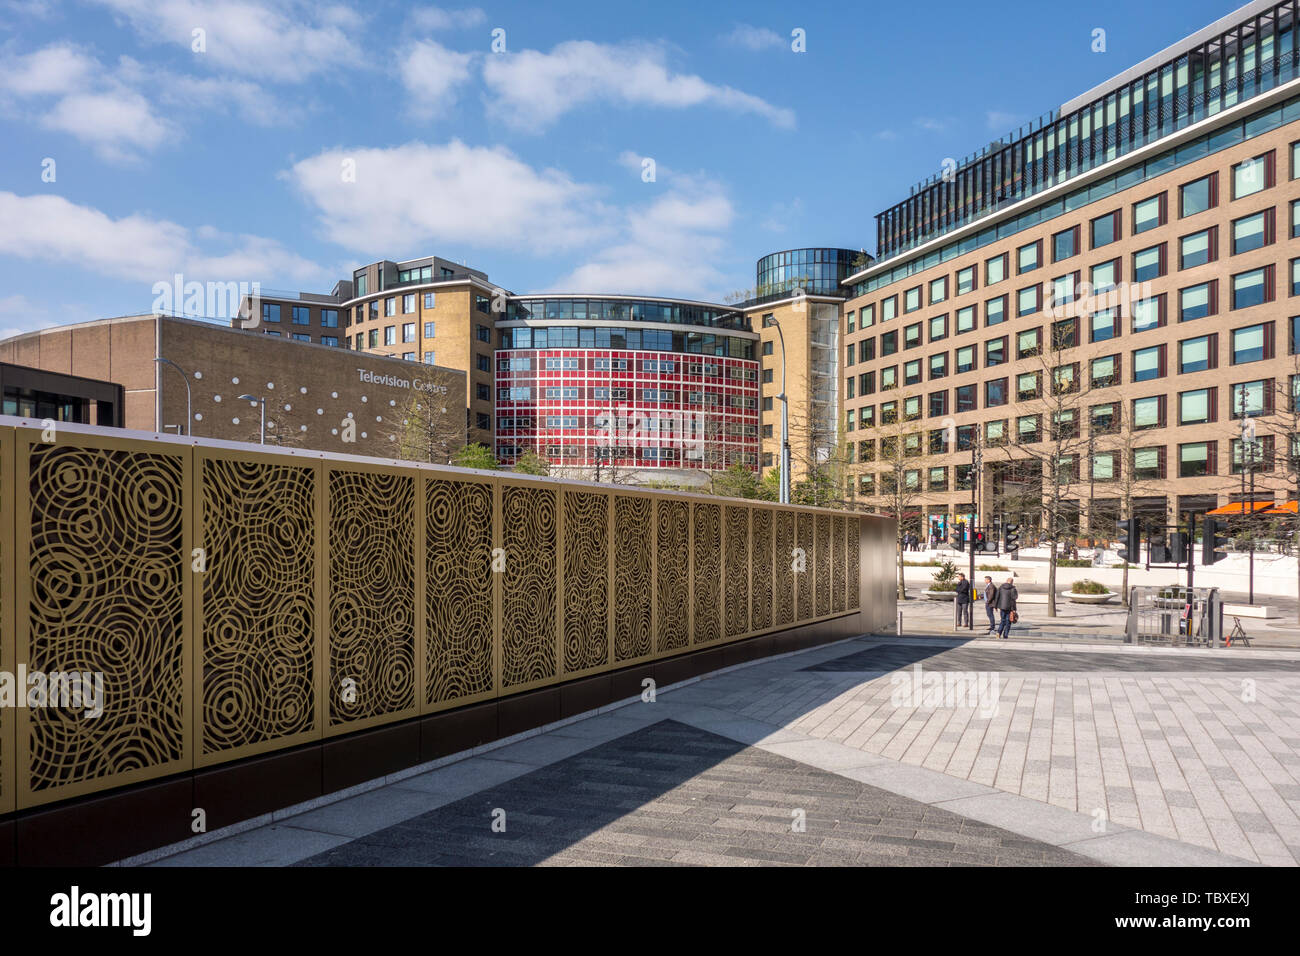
point(287, 142)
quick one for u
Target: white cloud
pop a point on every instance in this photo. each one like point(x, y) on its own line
point(431, 73)
point(407, 197)
point(115, 123)
point(668, 246)
point(436, 18)
point(57, 69)
point(754, 38)
point(19, 314)
point(999, 121)
point(532, 89)
point(280, 40)
point(54, 230)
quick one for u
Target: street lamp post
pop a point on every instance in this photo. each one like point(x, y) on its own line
point(186, 379)
point(1248, 464)
point(260, 401)
point(785, 420)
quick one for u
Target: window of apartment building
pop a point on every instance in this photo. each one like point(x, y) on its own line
point(1029, 342)
point(483, 362)
point(1148, 412)
point(911, 412)
point(1253, 232)
point(939, 327)
point(390, 306)
point(966, 399)
point(270, 312)
point(867, 416)
point(1251, 399)
point(1295, 335)
point(428, 330)
point(888, 342)
point(938, 365)
point(965, 280)
point(938, 403)
point(1149, 363)
point(889, 378)
point(938, 441)
point(1103, 276)
point(1104, 325)
point(429, 359)
point(1257, 455)
point(868, 316)
point(1105, 229)
point(849, 350)
point(767, 348)
point(888, 413)
point(938, 290)
point(1252, 175)
point(1149, 213)
point(995, 269)
point(1028, 386)
point(965, 319)
point(408, 356)
point(995, 433)
point(1198, 301)
point(1065, 244)
point(1065, 379)
point(1198, 248)
point(300, 337)
point(1295, 219)
point(483, 333)
point(1065, 424)
point(866, 350)
point(912, 299)
point(1295, 160)
point(1196, 459)
point(1103, 419)
point(1148, 314)
point(330, 340)
point(1104, 371)
point(995, 393)
point(1196, 407)
point(1149, 263)
point(329, 318)
point(374, 338)
point(867, 450)
point(1199, 354)
point(1027, 300)
point(965, 359)
point(767, 376)
point(697, 398)
point(1295, 276)
point(390, 335)
point(1028, 428)
point(912, 336)
point(483, 304)
point(1065, 334)
point(849, 319)
point(360, 341)
point(301, 315)
point(1198, 196)
point(867, 383)
point(408, 303)
point(1063, 288)
point(995, 352)
point(912, 372)
point(849, 422)
point(1029, 257)
point(937, 479)
point(408, 332)
point(429, 300)
point(1253, 343)
point(358, 313)
point(1148, 463)
point(995, 311)
point(373, 306)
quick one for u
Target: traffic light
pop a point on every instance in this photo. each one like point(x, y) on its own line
point(1011, 538)
point(1212, 544)
point(1178, 548)
point(1159, 551)
point(977, 542)
point(958, 539)
point(1130, 543)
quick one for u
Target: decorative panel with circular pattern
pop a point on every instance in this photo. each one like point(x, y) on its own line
point(804, 579)
point(707, 521)
point(761, 596)
point(458, 590)
point(633, 539)
point(672, 553)
point(784, 581)
point(528, 608)
point(372, 639)
point(107, 561)
point(837, 564)
point(586, 580)
point(257, 675)
point(853, 582)
point(823, 565)
point(736, 595)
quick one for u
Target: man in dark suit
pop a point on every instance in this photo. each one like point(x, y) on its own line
point(963, 601)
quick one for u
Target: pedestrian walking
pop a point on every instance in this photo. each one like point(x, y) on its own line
point(990, 596)
point(963, 601)
point(1006, 602)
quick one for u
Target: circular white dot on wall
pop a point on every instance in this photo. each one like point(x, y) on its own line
point(288, 407)
point(364, 399)
point(379, 418)
point(406, 421)
point(198, 374)
point(303, 428)
point(349, 414)
point(234, 381)
point(334, 431)
point(320, 411)
point(363, 434)
point(198, 416)
point(302, 390)
point(216, 398)
point(334, 394)
point(234, 421)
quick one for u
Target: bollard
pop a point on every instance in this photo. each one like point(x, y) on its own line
point(900, 623)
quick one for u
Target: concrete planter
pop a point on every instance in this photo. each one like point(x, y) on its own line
point(1089, 598)
point(948, 596)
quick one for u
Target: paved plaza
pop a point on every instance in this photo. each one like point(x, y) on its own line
point(1073, 755)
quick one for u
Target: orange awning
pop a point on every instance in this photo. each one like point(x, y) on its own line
point(1243, 507)
point(1285, 508)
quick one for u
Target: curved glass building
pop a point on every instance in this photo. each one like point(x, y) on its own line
point(621, 382)
point(816, 271)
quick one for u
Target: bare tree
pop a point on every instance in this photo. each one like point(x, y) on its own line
point(430, 430)
point(901, 454)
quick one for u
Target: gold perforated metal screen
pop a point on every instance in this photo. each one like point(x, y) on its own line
point(238, 600)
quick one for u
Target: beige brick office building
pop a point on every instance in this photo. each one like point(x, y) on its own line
point(1137, 249)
